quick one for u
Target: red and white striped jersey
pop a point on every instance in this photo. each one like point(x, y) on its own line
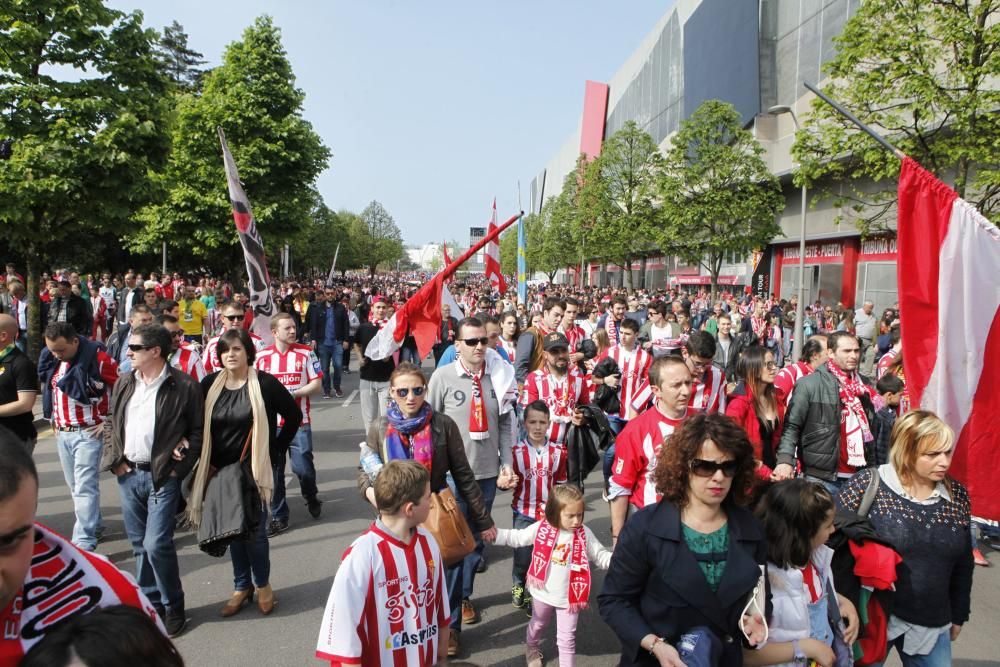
point(561, 395)
point(636, 449)
point(785, 379)
point(635, 374)
point(211, 358)
point(708, 395)
point(884, 362)
point(294, 369)
point(509, 346)
point(574, 335)
point(68, 412)
point(187, 360)
point(538, 470)
point(388, 604)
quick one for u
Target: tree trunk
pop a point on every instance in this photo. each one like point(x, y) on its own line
point(34, 312)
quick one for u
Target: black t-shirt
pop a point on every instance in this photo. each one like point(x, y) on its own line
point(232, 418)
point(17, 374)
point(373, 371)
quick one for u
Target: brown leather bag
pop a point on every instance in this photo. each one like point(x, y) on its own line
point(448, 526)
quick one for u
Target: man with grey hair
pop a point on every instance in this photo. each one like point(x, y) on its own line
point(866, 329)
point(157, 416)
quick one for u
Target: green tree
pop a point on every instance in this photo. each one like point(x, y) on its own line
point(924, 73)
point(617, 198)
point(549, 238)
point(314, 248)
point(253, 97)
point(379, 239)
point(82, 149)
point(181, 63)
point(718, 197)
point(508, 251)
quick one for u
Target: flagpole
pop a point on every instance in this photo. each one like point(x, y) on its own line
point(854, 119)
point(451, 268)
point(333, 267)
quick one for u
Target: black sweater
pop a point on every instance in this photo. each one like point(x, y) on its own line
point(935, 544)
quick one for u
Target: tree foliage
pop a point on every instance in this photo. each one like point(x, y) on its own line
point(314, 248)
point(181, 63)
point(617, 198)
point(718, 196)
point(379, 239)
point(253, 97)
point(83, 101)
point(925, 74)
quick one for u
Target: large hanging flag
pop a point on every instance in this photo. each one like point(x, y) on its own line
point(493, 255)
point(949, 302)
point(522, 263)
point(420, 316)
point(259, 281)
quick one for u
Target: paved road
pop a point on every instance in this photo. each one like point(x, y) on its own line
point(304, 560)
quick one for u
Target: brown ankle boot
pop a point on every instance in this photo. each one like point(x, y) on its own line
point(265, 599)
point(236, 603)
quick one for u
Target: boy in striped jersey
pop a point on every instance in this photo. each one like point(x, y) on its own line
point(634, 363)
point(389, 605)
point(539, 464)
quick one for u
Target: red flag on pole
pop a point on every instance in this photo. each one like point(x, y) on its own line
point(447, 260)
point(949, 260)
point(420, 316)
point(493, 256)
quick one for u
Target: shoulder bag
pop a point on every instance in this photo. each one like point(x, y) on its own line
point(448, 526)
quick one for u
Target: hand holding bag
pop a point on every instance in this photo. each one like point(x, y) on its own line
point(448, 526)
point(229, 506)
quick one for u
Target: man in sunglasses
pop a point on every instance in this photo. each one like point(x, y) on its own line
point(157, 415)
point(232, 316)
point(118, 341)
point(638, 445)
point(562, 387)
point(183, 356)
point(465, 391)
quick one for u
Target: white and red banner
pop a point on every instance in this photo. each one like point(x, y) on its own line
point(492, 262)
point(258, 281)
point(949, 303)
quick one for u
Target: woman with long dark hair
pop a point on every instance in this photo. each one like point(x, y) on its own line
point(758, 406)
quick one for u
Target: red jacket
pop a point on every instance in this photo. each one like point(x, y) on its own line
point(742, 410)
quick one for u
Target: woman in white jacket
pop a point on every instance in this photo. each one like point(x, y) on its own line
point(806, 621)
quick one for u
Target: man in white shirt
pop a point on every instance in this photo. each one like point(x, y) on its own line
point(866, 329)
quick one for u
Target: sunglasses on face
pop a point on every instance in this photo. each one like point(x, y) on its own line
point(473, 342)
point(703, 468)
point(403, 392)
point(234, 318)
point(135, 347)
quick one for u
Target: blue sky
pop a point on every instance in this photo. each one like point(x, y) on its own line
point(433, 107)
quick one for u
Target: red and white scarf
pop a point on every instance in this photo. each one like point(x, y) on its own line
point(479, 423)
point(579, 565)
point(613, 328)
point(761, 329)
point(852, 413)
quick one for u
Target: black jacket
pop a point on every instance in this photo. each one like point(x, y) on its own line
point(317, 322)
point(727, 362)
point(123, 297)
point(448, 456)
point(584, 444)
point(277, 400)
point(812, 425)
point(77, 313)
point(180, 413)
point(655, 586)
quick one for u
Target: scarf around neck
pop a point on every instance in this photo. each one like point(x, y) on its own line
point(579, 566)
point(852, 413)
point(479, 422)
point(409, 437)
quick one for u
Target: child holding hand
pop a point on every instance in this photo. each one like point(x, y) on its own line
point(559, 576)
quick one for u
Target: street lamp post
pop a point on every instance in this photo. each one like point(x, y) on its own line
point(800, 306)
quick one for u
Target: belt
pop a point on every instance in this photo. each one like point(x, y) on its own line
point(145, 467)
point(70, 428)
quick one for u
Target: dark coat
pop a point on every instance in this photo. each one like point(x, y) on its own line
point(812, 425)
point(180, 413)
point(77, 313)
point(727, 363)
point(448, 456)
point(317, 322)
point(584, 444)
point(123, 297)
point(82, 381)
point(655, 586)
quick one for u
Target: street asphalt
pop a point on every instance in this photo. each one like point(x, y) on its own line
point(305, 558)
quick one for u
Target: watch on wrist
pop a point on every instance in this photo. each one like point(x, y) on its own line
point(798, 657)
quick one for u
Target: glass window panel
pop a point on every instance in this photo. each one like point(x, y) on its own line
point(830, 282)
point(809, 49)
point(789, 17)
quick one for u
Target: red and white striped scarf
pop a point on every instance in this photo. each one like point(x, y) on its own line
point(479, 423)
point(852, 413)
point(579, 565)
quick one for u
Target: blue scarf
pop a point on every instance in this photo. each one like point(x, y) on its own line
point(409, 438)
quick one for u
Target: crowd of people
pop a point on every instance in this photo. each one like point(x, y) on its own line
point(755, 499)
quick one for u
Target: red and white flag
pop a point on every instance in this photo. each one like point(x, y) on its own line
point(949, 302)
point(492, 261)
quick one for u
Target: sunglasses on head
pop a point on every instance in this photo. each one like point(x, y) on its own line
point(473, 342)
point(136, 347)
point(235, 318)
point(403, 392)
point(703, 468)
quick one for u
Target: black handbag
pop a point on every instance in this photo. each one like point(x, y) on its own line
point(232, 508)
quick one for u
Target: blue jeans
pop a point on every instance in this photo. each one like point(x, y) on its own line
point(833, 487)
point(330, 355)
point(408, 354)
point(940, 655)
point(80, 456)
point(522, 555)
point(301, 452)
point(149, 523)
point(461, 576)
point(252, 556)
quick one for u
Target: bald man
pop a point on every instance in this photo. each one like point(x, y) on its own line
point(18, 386)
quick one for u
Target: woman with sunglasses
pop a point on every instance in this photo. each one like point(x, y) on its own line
point(685, 568)
point(242, 406)
point(758, 408)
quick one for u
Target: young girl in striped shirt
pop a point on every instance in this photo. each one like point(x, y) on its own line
point(559, 576)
